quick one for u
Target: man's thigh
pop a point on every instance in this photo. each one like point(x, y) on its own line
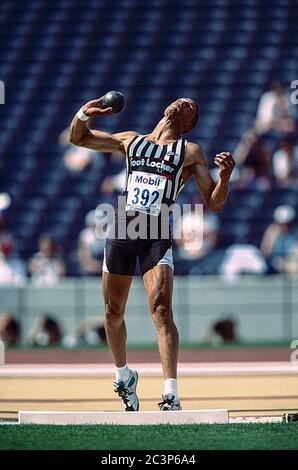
point(115, 289)
point(158, 282)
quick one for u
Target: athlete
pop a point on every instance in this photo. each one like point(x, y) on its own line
point(159, 165)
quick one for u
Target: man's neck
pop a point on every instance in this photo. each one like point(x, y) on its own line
point(164, 132)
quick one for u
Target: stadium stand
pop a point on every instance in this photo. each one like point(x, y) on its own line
point(55, 55)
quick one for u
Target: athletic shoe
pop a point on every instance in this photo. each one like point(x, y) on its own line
point(169, 403)
point(127, 391)
point(290, 417)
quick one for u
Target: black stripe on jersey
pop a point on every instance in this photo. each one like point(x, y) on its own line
point(130, 144)
point(164, 151)
point(128, 152)
point(138, 145)
point(178, 172)
point(181, 159)
point(128, 169)
point(153, 151)
point(146, 148)
point(182, 152)
point(172, 152)
point(183, 148)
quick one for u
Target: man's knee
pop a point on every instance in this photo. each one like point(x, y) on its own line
point(114, 313)
point(160, 306)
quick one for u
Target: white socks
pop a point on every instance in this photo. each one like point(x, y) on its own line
point(122, 373)
point(170, 386)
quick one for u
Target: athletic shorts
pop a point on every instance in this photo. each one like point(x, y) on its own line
point(121, 255)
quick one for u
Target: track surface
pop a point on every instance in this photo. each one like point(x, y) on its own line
point(102, 356)
point(244, 389)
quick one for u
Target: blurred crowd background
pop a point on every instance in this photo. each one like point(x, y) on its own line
point(237, 59)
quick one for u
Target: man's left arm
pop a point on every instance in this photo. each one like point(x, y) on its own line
point(214, 194)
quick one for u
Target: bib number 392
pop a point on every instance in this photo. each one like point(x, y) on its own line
point(145, 192)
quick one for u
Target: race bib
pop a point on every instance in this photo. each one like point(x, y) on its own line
point(145, 192)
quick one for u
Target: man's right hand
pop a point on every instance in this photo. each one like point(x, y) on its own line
point(93, 108)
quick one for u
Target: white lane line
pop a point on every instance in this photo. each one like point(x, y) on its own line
point(150, 369)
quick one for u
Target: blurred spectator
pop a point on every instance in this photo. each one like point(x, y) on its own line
point(5, 203)
point(93, 235)
point(12, 268)
point(77, 158)
point(46, 332)
point(47, 265)
point(114, 183)
point(87, 260)
point(280, 236)
point(275, 111)
point(284, 163)
point(290, 262)
point(221, 331)
point(10, 330)
point(254, 160)
point(199, 235)
point(91, 332)
point(242, 259)
point(275, 122)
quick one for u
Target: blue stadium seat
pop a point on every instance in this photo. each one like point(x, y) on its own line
point(63, 53)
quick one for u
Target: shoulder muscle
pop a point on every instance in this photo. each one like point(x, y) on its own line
point(195, 155)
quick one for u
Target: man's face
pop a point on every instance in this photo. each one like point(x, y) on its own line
point(183, 110)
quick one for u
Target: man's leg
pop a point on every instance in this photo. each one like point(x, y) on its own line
point(159, 286)
point(115, 289)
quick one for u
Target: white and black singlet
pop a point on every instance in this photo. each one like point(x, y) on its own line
point(153, 182)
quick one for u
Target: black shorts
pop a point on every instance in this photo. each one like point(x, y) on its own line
point(121, 255)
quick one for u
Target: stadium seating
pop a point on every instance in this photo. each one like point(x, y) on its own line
point(55, 55)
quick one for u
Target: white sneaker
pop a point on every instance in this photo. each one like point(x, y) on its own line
point(169, 403)
point(127, 391)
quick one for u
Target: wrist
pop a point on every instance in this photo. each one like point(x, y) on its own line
point(224, 177)
point(82, 116)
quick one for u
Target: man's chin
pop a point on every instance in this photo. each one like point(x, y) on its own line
point(170, 114)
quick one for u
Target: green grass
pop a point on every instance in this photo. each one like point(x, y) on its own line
point(185, 437)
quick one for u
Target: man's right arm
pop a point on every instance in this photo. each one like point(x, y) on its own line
point(82, 136)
